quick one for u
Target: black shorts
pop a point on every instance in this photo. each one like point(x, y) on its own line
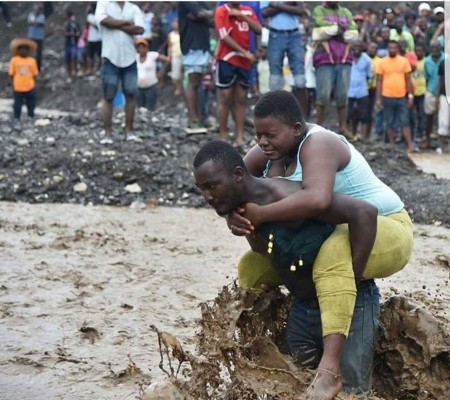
point(359, 108)
point(227, 75)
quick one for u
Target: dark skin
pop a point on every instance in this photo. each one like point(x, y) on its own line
point(322, 156)
point(225, 192)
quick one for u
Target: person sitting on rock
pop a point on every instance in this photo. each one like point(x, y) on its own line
point(23, 70)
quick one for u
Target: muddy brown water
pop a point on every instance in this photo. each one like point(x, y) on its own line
point(80, 287)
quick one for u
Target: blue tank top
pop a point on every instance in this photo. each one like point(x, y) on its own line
point(356, 179)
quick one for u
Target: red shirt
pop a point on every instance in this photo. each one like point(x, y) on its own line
point(238, 30)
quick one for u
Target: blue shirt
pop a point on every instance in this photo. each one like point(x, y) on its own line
point(283, 20)
point(36, 31)
point(432, 73)
point(361, 71)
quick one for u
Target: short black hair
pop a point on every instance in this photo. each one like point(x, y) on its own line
point(220, 152)
point(393, 42)
point(279, 104)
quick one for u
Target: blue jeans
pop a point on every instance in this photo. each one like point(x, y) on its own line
point(329, 77)
point(112, 76)
point(395, 112)
point(30, 101)
point(305, 343)
point(289, 42)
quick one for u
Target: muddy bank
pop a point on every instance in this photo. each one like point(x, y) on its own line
point(80, 287)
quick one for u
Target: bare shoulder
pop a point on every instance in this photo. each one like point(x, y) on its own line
point(255, 161)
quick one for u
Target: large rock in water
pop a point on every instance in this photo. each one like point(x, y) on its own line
point(414, 350)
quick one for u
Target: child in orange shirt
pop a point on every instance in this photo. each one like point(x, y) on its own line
point(23, 69)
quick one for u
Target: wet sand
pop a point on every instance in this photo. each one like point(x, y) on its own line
point(81, 285)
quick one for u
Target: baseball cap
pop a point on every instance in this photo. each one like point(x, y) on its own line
point(438, 10)
point(358, 17)
point(424, 6)
point(142, 41)
point(388, 10)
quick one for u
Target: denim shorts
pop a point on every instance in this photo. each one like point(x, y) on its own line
point(335, 76)
point(196, 62)
point(290, 43)
point(228, 74)
point(359, 109)
point(305, 343)
point(112, 76)
point(395, 112)
point(70, 53)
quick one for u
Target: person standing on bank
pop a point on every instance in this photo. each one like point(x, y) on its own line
point(119, 21)
point(285, 38)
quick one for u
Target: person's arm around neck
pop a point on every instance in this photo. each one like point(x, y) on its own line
point(320, 161)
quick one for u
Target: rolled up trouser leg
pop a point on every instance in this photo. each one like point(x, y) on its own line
point(333, 270)
point(254, 269)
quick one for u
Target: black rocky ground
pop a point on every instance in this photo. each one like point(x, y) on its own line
point(63, 161)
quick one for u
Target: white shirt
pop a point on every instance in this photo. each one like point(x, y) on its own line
point(147, 70)
point(147, 26)
point(93, 32)
point(118, 46)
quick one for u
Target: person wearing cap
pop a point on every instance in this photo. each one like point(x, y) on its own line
point(147, 74)
point(410, 20)
point(119, 22)
point(23, 70)
point(389, 16)
point(363, 30)
point(436, 26)
point(425, 11)
point(397, 33)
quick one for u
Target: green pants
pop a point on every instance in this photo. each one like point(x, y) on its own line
point(333, 270)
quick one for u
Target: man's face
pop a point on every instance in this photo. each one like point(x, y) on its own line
point(422, 24)
point(385, 33)
point(372, 50)
point(23, 51)
point(402, 46)
point(439, 17)
point(357, 49)
point(276, 138)
point(435, 49)
point(221, 190)
point(393, 49)
point(420, 53)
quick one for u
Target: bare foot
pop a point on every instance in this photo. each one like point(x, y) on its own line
point(325, 386)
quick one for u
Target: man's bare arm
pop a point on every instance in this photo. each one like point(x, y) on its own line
point(112, 23)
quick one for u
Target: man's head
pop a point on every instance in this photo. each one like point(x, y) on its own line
point(357, 47)
point(422, 24)
point(23, 50)
point(398, 24)
point(389, 14)
point(332, 4)
point(219, 172)
point(435, 48)
point(393, 48)
point(420, 51)
point(439, 14)
point(37, 9)
point(402, 45)
point(410, 19)
point(359, 20)
point(385, 33)
point(68, 15)
point(142, 46)
point(424, 10)
point(372, 49)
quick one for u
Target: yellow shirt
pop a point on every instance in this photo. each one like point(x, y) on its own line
point(418, 78)
point(23, 71)
point(372, 82)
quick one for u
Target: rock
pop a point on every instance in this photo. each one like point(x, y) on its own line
point(162, 390)
point(57, 178)
point(80, 187)
point(22, 142)
point(133, 188)
point(42, 122)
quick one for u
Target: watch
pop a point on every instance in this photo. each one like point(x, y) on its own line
point(410, 96)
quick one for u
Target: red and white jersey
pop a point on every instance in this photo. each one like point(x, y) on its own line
point(238, 30)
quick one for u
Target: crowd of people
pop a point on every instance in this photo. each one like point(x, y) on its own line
point(383, 69)
point(326, 55)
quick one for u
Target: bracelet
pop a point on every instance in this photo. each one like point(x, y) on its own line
point(410, 96)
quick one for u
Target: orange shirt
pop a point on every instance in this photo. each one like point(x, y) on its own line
point(23, 70)
point(393, 71)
